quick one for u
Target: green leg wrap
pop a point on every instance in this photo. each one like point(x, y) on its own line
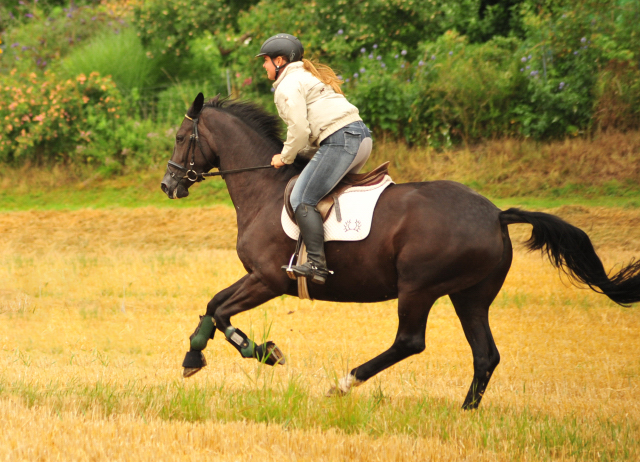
point(205, 331)
point(238, 339)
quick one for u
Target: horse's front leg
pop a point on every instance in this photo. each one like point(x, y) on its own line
point(245, 294)
point(194, 359)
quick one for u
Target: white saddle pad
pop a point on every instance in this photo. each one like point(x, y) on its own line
point(356, 208)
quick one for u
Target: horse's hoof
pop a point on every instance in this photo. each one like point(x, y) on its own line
point(189, 371)
point(272, 353)
point(335, 392)
point(194, 359)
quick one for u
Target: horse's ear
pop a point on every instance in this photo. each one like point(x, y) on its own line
point(197, 105)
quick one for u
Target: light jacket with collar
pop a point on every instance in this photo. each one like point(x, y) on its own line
point(310, 108)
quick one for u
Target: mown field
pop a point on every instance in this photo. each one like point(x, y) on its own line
point(96, 307)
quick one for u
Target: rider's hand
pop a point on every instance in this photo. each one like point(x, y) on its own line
point(277, 162)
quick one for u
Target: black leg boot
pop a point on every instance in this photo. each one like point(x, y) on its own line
point(310, 223)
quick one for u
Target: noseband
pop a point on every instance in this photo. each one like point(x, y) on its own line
point(189, 173)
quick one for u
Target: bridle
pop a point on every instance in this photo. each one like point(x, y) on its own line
point(189, 173)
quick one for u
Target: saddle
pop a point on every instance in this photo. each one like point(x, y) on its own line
point(329, 201)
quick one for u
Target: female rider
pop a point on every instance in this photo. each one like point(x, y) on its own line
point(319, 118)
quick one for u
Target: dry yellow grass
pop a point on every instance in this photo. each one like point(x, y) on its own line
point(96, 307)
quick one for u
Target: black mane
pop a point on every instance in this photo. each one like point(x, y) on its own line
point(266, 125)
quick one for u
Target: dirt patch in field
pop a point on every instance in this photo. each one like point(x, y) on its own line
point(150, 228)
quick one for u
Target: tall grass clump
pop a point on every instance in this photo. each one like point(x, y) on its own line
point(119, 55)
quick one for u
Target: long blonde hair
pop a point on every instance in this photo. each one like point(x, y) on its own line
point(325, 74)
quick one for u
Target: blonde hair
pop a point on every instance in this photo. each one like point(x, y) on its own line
point(325, 74)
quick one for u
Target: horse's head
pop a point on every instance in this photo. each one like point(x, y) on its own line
point(191, 156)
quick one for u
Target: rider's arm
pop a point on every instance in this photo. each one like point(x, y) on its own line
point(292, 107)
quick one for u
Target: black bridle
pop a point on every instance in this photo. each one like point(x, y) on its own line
point(189, 173)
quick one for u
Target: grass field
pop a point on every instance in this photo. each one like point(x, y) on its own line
point(96, 307)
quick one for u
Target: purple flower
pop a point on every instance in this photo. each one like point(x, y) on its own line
point(383, 65)
point(522, 69)
point(356, 75)
point(370, 55)
point(25, 47)
point(363, 50)
point(339, 77)
point(451, 53)
point(575, 52)
point(29, 15)
point(272, 89)
point(421, 63)
point(13, 45)
point(69, 15)
point(528, 67)
point(362, 70)
point(529, 57)
point(375, 46)
point(403, 52)
point(402, 66)
point(396, 57)
point(348, 80)
point(583, 39)
point(93, 18)
point(524, 59)
point(378, 58)
point(340, 32)
point(561, 86)
point(433, 56)
point(533, 73)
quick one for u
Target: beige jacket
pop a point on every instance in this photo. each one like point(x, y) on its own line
point(311, 110)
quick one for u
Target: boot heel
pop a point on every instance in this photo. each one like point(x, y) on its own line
point(317, 279)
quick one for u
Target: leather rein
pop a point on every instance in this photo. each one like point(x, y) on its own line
point(193, 176)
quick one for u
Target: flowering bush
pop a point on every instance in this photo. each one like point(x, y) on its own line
point(45, 119)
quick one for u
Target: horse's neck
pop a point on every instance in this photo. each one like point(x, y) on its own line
point(254, 191)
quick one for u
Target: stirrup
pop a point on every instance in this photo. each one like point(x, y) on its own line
point(310, 271)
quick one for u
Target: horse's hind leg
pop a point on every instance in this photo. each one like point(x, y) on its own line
point(413, 311)
point(472, 307)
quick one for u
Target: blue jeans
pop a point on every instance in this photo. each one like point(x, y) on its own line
point(327, 167)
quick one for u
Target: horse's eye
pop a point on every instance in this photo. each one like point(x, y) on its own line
point(179, 138)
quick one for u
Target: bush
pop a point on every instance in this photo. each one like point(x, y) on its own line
point(48, 120)
point(466, 90)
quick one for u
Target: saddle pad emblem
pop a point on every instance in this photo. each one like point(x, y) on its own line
point(356, 209)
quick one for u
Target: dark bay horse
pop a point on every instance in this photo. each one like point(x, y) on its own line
point(427, 240)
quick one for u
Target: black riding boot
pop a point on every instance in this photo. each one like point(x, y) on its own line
point(310, 223)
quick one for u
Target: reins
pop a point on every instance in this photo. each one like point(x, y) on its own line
point(194, 176)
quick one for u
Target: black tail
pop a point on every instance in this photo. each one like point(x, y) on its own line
point(570, 249)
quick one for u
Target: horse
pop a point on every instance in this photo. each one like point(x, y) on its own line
point(427, 240)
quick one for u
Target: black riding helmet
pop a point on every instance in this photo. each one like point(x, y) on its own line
point(282, 45)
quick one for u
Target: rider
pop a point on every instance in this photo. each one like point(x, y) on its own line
point(319, 119)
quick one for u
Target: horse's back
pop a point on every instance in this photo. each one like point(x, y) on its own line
point(441, 229)
point(446, 202)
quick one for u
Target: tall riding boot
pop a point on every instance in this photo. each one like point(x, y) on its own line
point(310, 223)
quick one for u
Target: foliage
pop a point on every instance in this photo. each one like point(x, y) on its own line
point(47, 35)
point(45, 118)
point(117, 54)
point(431, 73)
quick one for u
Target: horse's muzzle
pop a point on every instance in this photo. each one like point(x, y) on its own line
point(172, 188)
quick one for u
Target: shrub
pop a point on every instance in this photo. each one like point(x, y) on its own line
point(465, 90)
point(45, 119)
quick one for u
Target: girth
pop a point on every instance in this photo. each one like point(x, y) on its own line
point(325, 205)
